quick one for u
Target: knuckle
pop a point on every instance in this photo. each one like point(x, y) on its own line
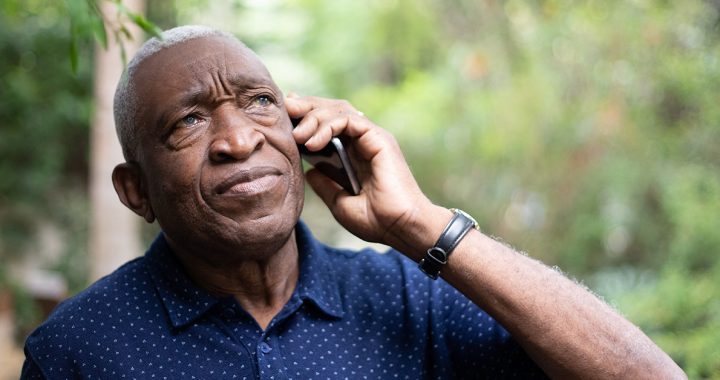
point(386, 135)
point(345, 121)
point(344, 104)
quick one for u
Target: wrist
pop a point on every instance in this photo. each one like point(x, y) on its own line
point(436, 257)
point(421, 231)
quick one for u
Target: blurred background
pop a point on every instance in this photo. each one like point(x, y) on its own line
point(586, 133)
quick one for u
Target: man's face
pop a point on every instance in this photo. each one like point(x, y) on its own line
point(215, 147)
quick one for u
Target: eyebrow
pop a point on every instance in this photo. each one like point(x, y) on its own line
point(239, 83)
point(242, 82)
point(185, 101)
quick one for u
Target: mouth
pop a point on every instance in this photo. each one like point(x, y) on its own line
point(249, 182)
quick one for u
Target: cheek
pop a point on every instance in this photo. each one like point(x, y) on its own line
point(174, 195)
point(285, 144)
point(179, 173)
point(283, 141)
point(176, 201)
point(175, 179)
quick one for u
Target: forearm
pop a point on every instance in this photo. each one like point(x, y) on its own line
point(567, 330)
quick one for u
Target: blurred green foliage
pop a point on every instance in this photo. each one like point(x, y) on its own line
point(583, 132)
point(45, 109)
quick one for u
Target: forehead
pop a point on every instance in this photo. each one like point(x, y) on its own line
point(189, 65)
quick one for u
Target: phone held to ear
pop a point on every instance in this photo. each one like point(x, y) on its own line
point(332, 161)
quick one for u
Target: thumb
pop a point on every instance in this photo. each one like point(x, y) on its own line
point(324, 187)
point(345, 208)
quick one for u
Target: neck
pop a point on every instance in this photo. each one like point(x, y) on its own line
point(262, 285)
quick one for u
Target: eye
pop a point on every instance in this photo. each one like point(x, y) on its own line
point(189, 121)
point(262, 101)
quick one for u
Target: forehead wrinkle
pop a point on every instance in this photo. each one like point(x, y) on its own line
point(239, 77)
point(194, 82)
point(211, 74)
point(224, 91)
point(220, 90)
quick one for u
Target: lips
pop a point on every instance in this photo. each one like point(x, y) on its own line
point(250, 181)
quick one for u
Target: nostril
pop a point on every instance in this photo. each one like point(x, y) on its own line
point(222, 157)
point(236, 144)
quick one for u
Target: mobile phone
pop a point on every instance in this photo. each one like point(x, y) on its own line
point(334, 162)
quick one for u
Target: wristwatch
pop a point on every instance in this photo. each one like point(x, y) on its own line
point(453, 233)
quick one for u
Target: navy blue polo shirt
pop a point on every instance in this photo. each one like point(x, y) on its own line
point(354, 315)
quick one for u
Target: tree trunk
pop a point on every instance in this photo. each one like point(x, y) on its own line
point(114, 230)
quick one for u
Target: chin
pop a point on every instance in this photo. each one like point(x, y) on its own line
point(222, 244)
point(262, 230)
point(239, 228)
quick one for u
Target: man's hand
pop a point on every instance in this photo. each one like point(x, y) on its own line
point(390, 204)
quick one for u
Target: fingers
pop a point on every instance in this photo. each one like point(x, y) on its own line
point(322, 119)
point(321, 126)
point(298, 107)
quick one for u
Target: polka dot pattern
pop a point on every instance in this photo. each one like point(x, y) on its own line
point(353, 315)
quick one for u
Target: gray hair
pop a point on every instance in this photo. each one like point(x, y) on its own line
point(126, 103)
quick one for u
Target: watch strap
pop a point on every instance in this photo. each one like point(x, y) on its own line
point(451, 236)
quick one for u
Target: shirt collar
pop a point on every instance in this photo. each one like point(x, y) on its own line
point(185, 302)
point(317, 281)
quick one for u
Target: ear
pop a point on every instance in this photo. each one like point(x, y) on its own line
point(130, 188)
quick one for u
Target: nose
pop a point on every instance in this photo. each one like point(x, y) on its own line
point(235, 137)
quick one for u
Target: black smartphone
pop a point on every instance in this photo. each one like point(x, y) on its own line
point(334, 162)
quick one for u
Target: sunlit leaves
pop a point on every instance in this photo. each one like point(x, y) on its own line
point(88, 22)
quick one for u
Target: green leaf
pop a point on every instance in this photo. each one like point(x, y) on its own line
point(139, 20)
point(145, 25)
point(125, 32)
point(98, 25)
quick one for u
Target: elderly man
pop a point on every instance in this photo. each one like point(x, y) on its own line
point(235, 286)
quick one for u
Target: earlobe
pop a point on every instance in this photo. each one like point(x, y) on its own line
point(130, 188)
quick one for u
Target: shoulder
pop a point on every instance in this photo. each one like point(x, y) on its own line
point(372, 267)
point(125, 282)
point(82, 315)
point(390, 277)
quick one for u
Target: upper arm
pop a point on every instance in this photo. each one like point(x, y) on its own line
point(30, 369)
